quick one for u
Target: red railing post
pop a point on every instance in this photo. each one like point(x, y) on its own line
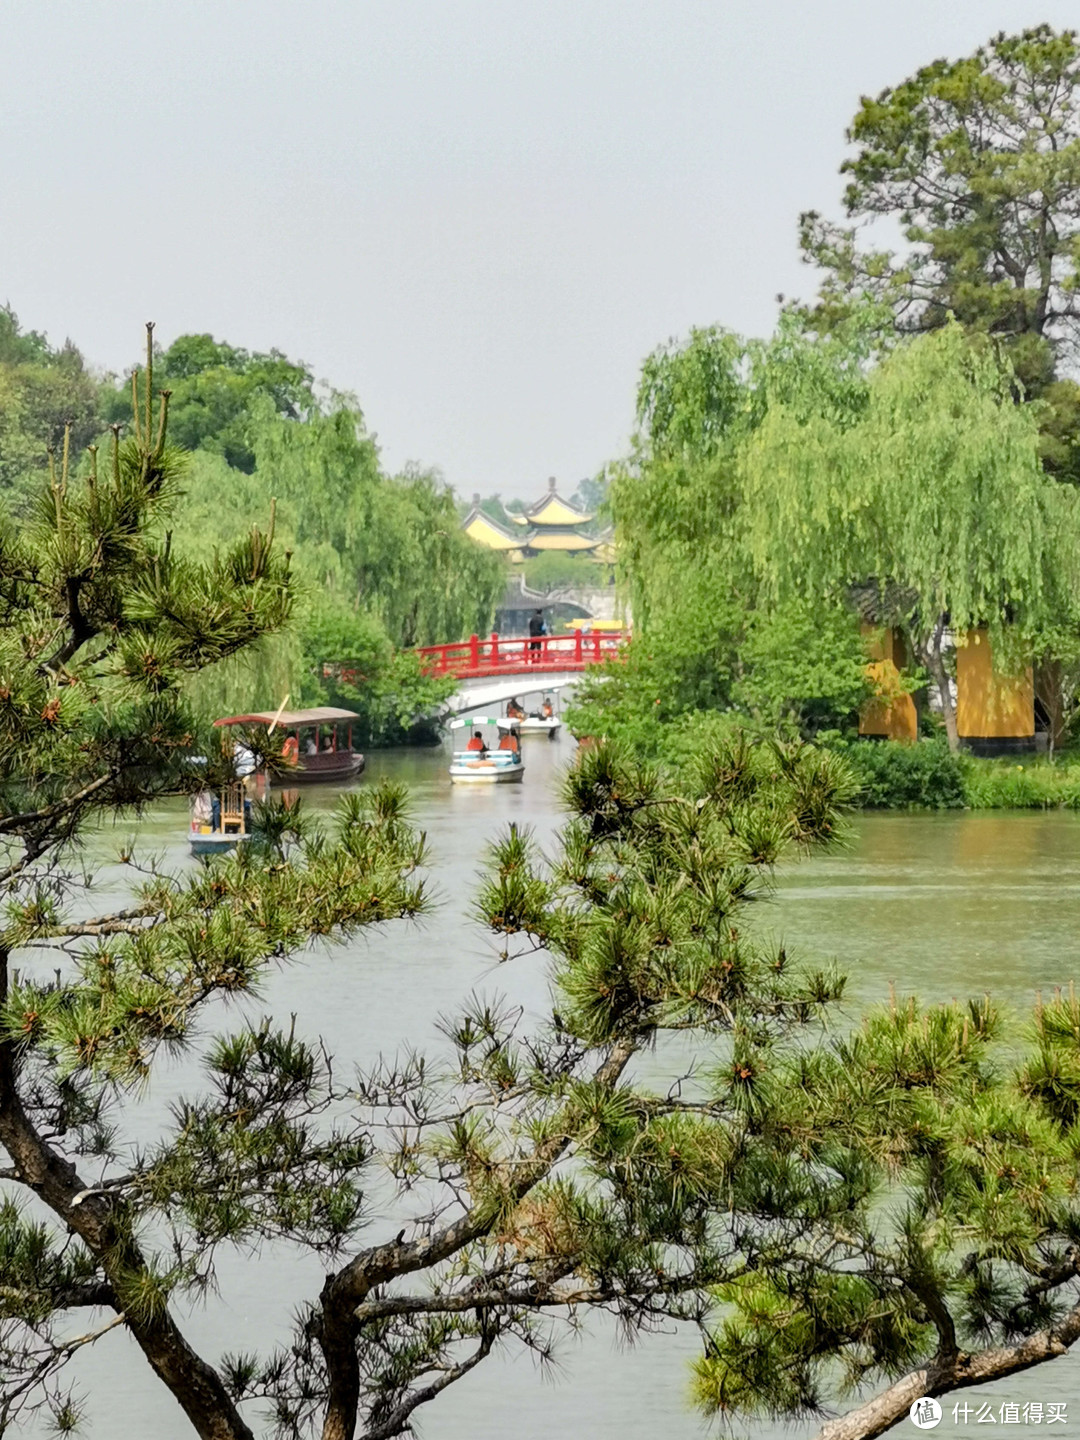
point(494, 657)
point(474, 651)
point(577, 646)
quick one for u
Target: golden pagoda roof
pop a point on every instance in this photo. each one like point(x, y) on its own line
point(552, 509)
point(486, 531)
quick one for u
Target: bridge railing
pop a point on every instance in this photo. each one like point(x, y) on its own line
point(498, 655)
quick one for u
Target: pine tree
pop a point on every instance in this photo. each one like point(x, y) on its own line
point(554, 1182)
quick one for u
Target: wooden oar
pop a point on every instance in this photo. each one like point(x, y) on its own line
point(277, 717)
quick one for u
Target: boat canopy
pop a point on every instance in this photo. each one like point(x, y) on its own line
point(291, 719)
point(473, 722)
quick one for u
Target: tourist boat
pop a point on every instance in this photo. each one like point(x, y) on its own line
point(490, 766)
point(319, 741)
point(220, 820)
point(534, 721)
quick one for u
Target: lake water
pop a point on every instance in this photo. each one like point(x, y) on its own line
point(942, 905)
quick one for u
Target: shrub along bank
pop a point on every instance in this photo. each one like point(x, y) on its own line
point(924, 776)
point(927, 776)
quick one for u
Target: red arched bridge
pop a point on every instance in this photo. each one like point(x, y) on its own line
point(474, 659)
point(503, 668)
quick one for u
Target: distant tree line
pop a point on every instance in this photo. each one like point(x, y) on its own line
point(380, 560)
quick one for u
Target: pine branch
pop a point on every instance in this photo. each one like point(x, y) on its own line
point(12, 824)
point(399, 1419)
point(945, 1374)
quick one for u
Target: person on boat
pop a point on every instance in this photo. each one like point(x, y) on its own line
point(243, 760)
point(311, 744)
point(537, 629)
point(202, 810)
point(476, 744)
point(547, 710)
point(509, 742)
point(514, 710)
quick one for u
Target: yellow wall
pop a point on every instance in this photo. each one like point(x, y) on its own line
point(988, 705)
point(891, 713)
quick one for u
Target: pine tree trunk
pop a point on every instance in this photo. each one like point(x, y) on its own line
point(195, 1385)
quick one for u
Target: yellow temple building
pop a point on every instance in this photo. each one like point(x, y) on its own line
point(891, 713)
point(995, 711)
point(552, 523)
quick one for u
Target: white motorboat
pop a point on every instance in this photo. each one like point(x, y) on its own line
point(481, 763)
point(542, 719)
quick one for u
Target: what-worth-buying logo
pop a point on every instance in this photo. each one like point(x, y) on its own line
point(926, 1413)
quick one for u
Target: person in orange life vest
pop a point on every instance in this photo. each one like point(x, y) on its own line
point(509, 742)
point(547, 710)
point(477, 743)
point(514, 711)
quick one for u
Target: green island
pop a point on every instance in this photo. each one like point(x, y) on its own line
point(850, 557)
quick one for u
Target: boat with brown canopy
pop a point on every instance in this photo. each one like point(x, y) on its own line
point(319, 741)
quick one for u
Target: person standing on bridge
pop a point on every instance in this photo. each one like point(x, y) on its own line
point(537, 629)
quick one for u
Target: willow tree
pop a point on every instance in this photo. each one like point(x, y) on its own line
point(705, 631)
point(389, 545)
point(931, 492)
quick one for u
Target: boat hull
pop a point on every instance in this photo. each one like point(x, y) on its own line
point(328, 765)
point(214, 843)
point(485, 772)
point(537, 725)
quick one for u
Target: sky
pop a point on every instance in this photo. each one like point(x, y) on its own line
point(478, 216)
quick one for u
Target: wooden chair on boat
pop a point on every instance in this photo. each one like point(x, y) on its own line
point(233, 818)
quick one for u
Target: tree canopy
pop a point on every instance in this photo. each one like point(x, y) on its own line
point(977, 161)
point(216, 388)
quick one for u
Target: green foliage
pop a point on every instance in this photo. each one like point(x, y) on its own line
point(1028, 784)
point(348, 661)
point(592, 496)
point(802, 668)
point(977, 162)
point(1059, 430)
point(379, 563)
point(935, 489)
point(42, 390)
point(931, 499)
point(393, 546)
point(940, 1220)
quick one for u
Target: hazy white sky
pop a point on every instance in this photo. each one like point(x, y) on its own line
point(479, 215)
